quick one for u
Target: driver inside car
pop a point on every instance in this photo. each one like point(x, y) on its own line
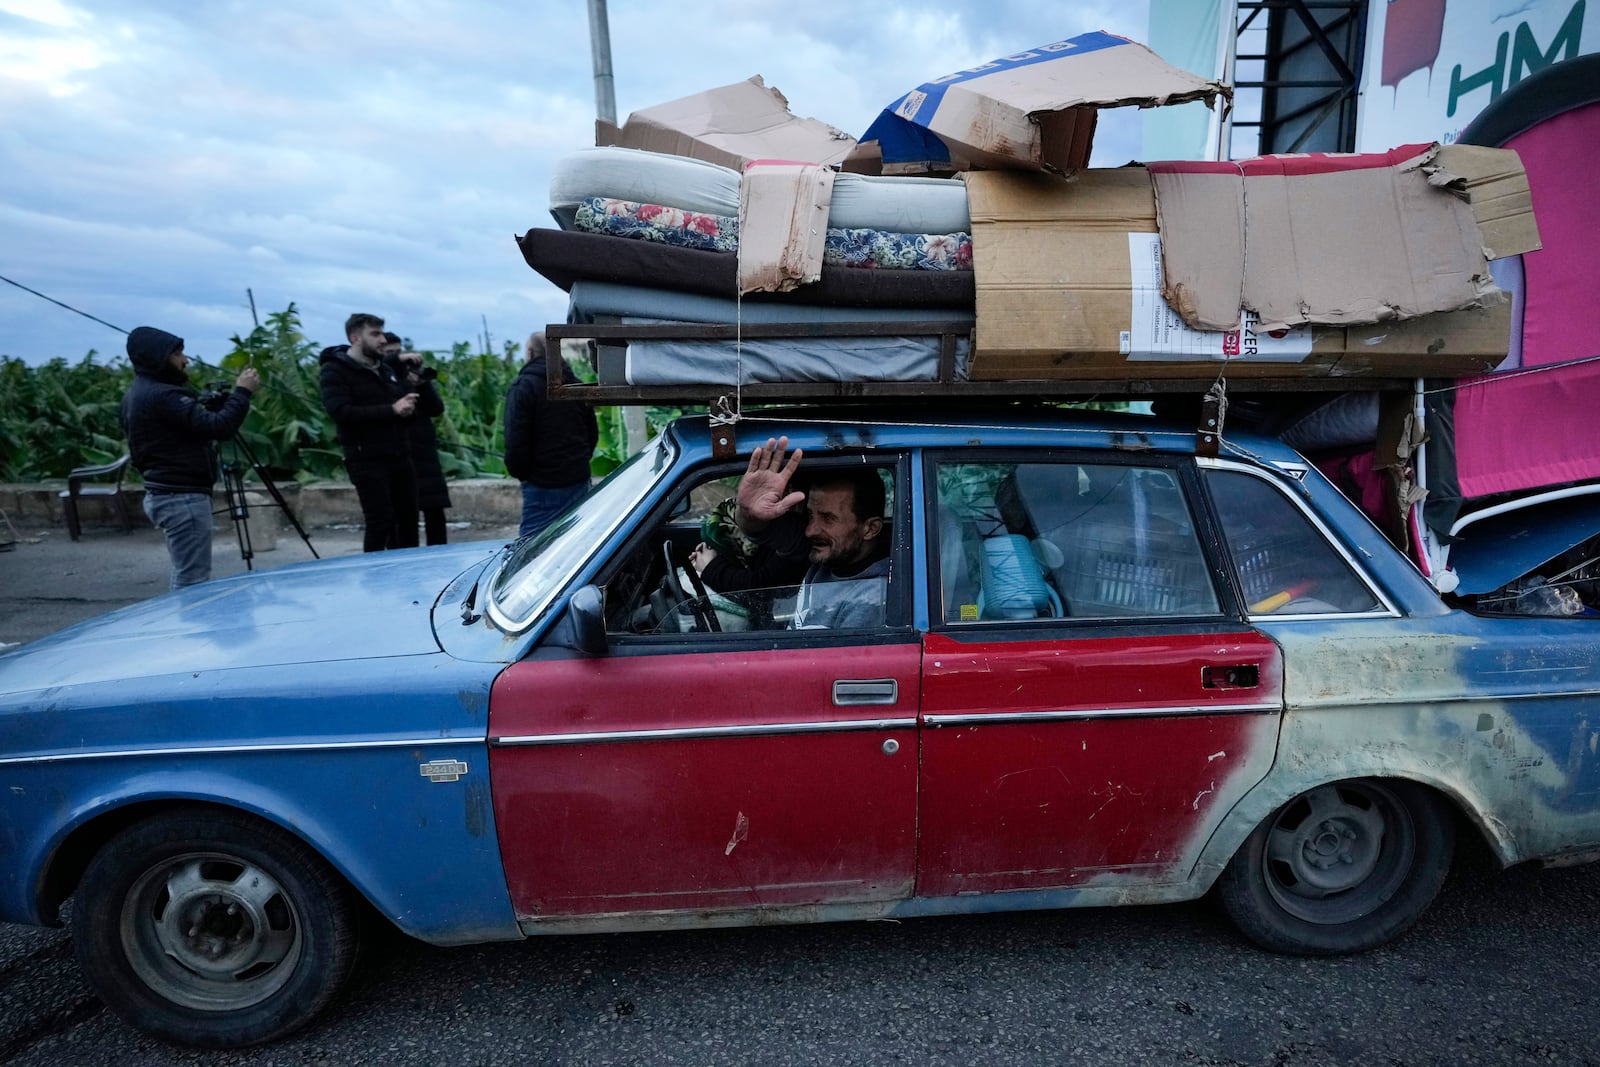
point(836, 542)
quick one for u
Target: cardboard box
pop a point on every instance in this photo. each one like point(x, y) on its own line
point(1035, 109)
point(1338, 239)
point(783, 223)
point(730, 126)
point(1069, 287)
point(1496, 186)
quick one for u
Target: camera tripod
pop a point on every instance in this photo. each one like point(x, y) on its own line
point(239, 507)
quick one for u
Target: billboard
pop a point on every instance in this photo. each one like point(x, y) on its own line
point(1432, 65)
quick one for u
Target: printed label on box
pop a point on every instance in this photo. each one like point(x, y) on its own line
point(1159, 333)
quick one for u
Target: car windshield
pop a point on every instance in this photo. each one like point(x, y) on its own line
point(538, 565)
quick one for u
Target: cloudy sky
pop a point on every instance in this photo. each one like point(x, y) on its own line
point(160, 157)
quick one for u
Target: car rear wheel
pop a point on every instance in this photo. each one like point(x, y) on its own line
point(215, 930)
point(1342, 868)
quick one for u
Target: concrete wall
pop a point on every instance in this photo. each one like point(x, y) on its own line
point(486, 501)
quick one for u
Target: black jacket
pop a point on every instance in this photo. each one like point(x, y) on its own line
point(432, 490)
point(361, 401)
point(170, 433)
point(548, 442)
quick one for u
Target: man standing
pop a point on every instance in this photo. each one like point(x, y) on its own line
point(373, 410)
point(548, 442)
point(433, 492)
point(170, 439)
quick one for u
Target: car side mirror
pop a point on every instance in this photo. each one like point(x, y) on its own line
point(586, 610)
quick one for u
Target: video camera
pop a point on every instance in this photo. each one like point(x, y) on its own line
point(214, 395)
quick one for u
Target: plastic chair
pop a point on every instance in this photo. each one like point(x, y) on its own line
point(112, 491)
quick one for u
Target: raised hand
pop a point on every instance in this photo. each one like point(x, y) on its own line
point(763, 492)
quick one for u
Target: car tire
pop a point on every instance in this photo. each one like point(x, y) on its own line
point(213, 929)
point(1342, 868)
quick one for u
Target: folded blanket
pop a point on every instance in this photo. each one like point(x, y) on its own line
point(653, 222)
point(720, 233)
point(897, 251)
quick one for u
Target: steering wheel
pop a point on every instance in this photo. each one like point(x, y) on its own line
point(700, 603)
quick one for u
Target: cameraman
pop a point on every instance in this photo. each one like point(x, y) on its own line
point(170, 434)
point(433, 493)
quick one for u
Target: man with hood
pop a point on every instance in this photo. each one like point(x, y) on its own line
point(373, 409)
point(548, 442)
point(170, 439)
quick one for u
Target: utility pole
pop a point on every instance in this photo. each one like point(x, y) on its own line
point(605, 87)
point(635, 431)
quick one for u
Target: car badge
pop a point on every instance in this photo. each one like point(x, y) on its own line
point(443, 770)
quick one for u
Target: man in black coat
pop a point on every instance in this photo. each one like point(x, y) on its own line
point(433, 493)
point(548, 442)
point(373, 410)
point(170, 439)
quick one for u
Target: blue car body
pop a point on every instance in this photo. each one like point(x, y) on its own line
point(349, 701)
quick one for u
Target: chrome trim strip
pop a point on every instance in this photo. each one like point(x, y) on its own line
point(686, 733)
point(992, 718)
point(1435, 701)
point(234, 750)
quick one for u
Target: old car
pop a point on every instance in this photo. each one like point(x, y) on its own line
point(1110, 670)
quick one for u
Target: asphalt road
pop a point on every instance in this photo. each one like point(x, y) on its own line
point(1500, 971)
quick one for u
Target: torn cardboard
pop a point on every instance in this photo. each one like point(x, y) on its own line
point(1338, 239)
point(1033, 110)
point(1496, 185)
point(731, 126)
point(1069, 286)
point(783, 225)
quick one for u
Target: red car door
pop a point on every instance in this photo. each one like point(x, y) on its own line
point(707, 780)
point(1089, 710)
point(754, 767)
point(1067, 760)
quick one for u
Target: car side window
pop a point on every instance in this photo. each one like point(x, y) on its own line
point(1286, 565)
point(1021, 541)
point(696, 571)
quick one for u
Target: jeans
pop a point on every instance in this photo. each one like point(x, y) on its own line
point(387, 489)
point(540, 505)
point(185, 519)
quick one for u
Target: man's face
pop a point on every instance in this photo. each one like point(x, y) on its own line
point(369, 340)
point(390, 348)
point(179, 360)
point(836, 535)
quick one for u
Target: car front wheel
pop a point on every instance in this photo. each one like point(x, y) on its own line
point(1341, 868)
point(215, 930)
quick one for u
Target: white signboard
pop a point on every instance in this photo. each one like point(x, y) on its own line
point(1432, 65)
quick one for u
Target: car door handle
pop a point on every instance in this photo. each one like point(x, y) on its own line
point(1238, 676)
point(854, 692)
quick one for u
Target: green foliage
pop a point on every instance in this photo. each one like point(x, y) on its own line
point(59, 416)
point(288, 429)
point(64, 415)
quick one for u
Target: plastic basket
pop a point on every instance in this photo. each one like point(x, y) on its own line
point(1104, 573)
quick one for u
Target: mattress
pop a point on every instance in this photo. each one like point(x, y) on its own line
point(814, 359)
point(591, 298)
point(646, 177)
point(899, 205)
point(860, 248)
point(565, 256)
